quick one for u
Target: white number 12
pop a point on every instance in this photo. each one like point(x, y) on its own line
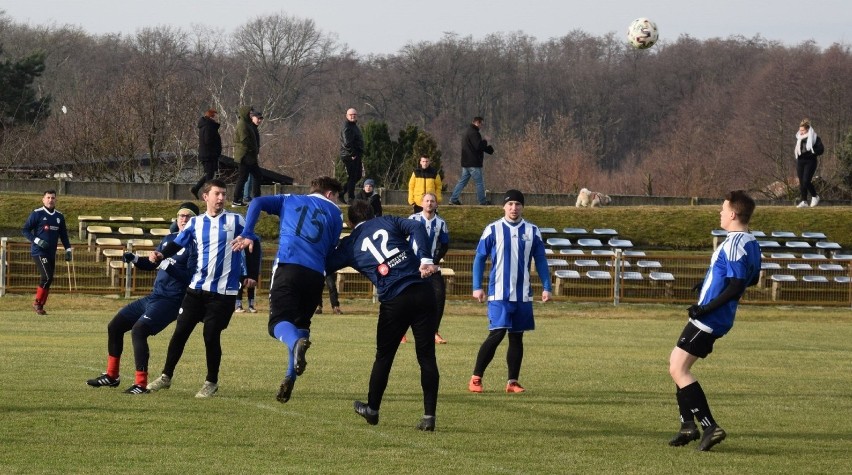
point(382, 237)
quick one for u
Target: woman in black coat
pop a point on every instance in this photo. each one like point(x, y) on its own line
point(209, 147)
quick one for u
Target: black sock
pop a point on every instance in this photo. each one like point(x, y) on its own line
point(686, 417)
point(697, 402)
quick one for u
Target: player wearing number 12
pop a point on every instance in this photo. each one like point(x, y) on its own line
point(310, 229)
point(379, 249)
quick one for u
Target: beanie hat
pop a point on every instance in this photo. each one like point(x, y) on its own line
point(513, 195)
point(189, 208)
point(369, 181)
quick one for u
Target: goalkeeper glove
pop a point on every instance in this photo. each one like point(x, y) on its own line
point(40, 243)
point(68, 254)
point(129, 257)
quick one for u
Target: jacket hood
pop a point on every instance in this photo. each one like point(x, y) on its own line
point(243, 112)
point(206, 122)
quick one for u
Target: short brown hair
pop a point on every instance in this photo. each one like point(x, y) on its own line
point(211, 183)
point(742, 204)
point(322, 184)
point(210, 113)
point(359, 211)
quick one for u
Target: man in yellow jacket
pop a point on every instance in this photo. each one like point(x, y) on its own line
point(425, 179)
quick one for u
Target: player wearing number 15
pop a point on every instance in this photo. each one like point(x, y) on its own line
point(380, 250)
point(310, 229)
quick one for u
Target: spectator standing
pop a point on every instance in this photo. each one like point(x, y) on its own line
point(808, 147)
point(209, 148)
point(214, 285)
point(368, 194)
point(248, 189)
point(473, 148)
point(381, 250)
point(351, 152)
point(734, 266)
point(246, 151)
point(44, 228)
point(149, 315)
point(511, 243)
point(424, 179)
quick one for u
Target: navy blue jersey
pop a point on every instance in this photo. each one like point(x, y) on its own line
point(175, 272)
point(47, 226)
point(380, 250)
point(310, 227)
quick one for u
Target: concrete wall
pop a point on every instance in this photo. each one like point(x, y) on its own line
point(180, 191)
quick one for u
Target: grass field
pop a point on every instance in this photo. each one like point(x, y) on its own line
point(598, 400)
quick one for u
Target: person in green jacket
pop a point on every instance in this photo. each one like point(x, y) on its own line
point(245, 153)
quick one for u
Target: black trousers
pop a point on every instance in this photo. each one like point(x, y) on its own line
point(245, 170)
point(211, 168)
point(806, 169)
point(46, 266)
point(414, 307)
point(439, 286)
point(212, 309)
point(353, 170)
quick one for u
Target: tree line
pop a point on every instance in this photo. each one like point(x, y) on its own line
point(686, 117)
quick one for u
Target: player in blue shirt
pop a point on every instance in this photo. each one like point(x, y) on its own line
point(439, 242)
point(45, 227)
point(213, 289)
point(380, 249)
point(734, 266)
point(512, 244)
point(149, 315)
point(310, 228)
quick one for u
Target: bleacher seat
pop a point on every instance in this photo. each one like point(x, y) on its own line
point(589, 242)
point(797, 245)
point(547, 230)
point(548, 251)
point(605, 232)
point(842, 279)
point(567, 274)
point(82, 223)
point(633, 253)
point(783, 278)
point(813, 235)
point(758, 234)
point(799, 266)
point(841, 257)
point(131, 230)
point(815, 278)
point(602, 252)
point(831, 267)
point(558, 242)
point(142, 242)
point(631, 275)
point(783, 234)
point(782, 255)
point(586, 263)
point(160, 232)
point(574, 231)
point(663, 276)
point(768, 244)
point(649, 264)
point(152, 220)
point(815, 257)
point(124, 219)
point(828, 246)
point(717, 235)
point(94, 230)
point(624, 263)
point(105, 242)
point(598, 274)
point(557, 262)
point(619, 243)
point(571, 252)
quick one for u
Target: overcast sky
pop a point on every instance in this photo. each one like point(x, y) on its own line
point(384, 26)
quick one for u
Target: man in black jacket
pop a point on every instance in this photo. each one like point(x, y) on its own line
point(351, 150)
point(209, 148)
point(473, 148)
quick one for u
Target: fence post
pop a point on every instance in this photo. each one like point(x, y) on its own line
point(3, 263)
point(127, 271)
point(616, 294)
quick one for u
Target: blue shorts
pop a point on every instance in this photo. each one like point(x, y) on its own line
point(514, 316)
point(155, 312)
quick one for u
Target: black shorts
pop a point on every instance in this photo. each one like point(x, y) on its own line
point(294, 295)
point(696, 341)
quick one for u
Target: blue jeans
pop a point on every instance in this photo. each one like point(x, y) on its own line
point(247, 189)
point(467, 173)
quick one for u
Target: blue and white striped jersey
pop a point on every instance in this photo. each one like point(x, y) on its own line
point(436, 231)
point(511, 248)
point(309, 231)
point(738, 257)
point(218, 268)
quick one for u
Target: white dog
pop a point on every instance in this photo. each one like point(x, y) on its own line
point(591, 199)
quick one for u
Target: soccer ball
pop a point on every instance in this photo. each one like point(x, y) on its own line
point(642, 33)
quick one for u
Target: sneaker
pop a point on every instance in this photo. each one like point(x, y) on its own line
point(404, 339)
point(239, 310)
point(252, 309)
point(455, 203)
point(104, 380)
point(802, 205)
point(514, 387)
point(285, 390)
point(486, 203)
point(364, 411)
point(337, 310)
point(302, 345)
point(208, 390)
point(712, 436)
point(439, 340)
point(136, 389)
point(163, 382)
point(685, 435)
point(427, 424)
point(318, 311)
point(39, 308)
point(475, 384)
point(237, 204)
point(814, 201)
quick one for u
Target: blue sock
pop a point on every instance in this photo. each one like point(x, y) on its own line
point(287, 333)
